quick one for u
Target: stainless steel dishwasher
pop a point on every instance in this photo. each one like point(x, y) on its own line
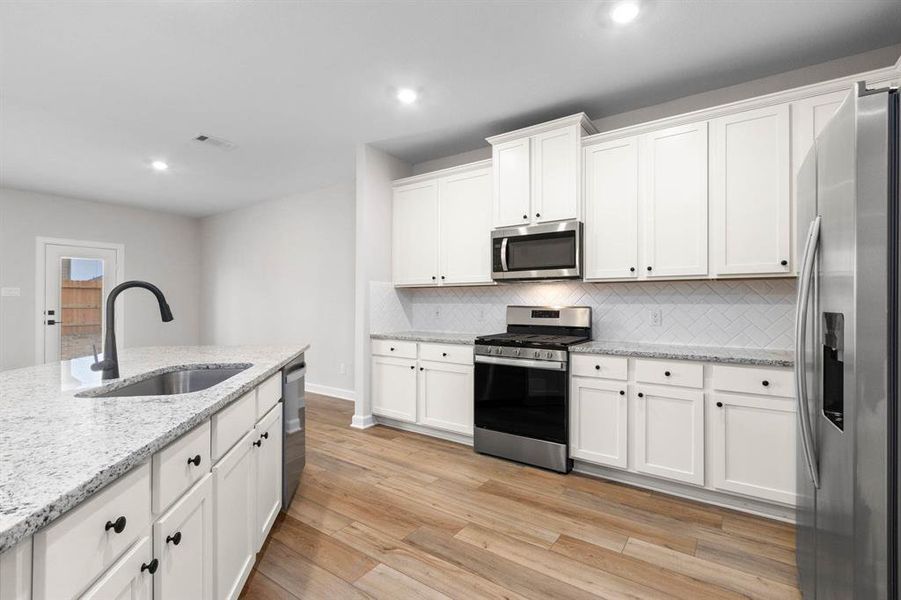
point(294, 446)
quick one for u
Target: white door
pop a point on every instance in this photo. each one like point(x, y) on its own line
point(414, 245)
point(753, 446)
point(464, 224)
point(669, 433)
point(611, 210)
point(233, 519)
point(674, 192)
point(394, 388)
point(512, 183)
point(183, 544)
point(128, 579)
point(598, 427)
point(268, 472)
point(77, 280)
point(750, 190)
point(446, 396)
point(555, 175)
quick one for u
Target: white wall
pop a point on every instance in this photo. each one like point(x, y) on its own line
point(282, 272)
point(161, 248)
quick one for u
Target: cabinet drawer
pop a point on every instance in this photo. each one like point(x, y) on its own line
point(72, 552)
point(753, 380)
point(594, 365)
point(394, 348)
point(670, 372)
point(231, 423)
point(126, 579)
point(268, 394)
point(179, 465)
point(452, 353)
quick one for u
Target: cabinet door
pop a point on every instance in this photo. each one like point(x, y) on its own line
point(394, 388)
point(753, 446)
point(183, 543)
point(598, 421)
point(414, 252)
point(446, 396)
point(669, 433)
point(129, 578)
point(233, 519)
point(510, 164)
point(674, 191)
point(611, 210)
point(750, 192)
point(268, 472)
point(464, 225)
point(555, 175)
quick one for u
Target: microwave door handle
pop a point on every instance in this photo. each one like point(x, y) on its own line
point(504, 254)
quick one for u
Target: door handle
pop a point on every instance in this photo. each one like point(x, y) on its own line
point(504, 254)
point(807, 442)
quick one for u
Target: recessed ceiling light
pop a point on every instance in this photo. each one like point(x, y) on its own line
point(624, 12)
point(159, 165)
point(407, 95)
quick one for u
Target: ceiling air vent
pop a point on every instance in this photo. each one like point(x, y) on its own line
point(215, 142)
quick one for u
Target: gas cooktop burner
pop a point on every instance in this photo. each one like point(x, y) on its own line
point(531, 340)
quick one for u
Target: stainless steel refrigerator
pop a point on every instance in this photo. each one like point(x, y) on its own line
point(847, 353)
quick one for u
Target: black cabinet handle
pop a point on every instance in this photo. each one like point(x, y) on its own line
point(667, 373)
point(151, 567)
point(412, 367)
point(422, 368)
point(765, 383)
point(194, 461)
point(525, 216)
point(597, 367)
point(783, 263)
point(640, 395)
point(175, 539)
point(649, 268)
point(632, 269)
point(433, 278)
point(258, 443)
point(118, 525)
point(392, 349)
point(719, 405)
point(622, 393)
point(265, 435)
point(444, 354)
point(442, 277)
point(537, 215)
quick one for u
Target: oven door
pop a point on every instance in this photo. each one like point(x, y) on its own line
point(522, 397)
point(550, 251)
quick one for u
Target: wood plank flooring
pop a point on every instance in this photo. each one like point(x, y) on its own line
point(382, 513)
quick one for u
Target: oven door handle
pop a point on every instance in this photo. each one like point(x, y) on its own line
point(525, 363)
point(504, 254)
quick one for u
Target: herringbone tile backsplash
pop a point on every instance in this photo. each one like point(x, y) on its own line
point(756, 313)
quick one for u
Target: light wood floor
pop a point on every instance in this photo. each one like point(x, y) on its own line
point(388, 514)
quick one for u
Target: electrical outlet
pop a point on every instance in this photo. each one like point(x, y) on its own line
point(342, 369)
point(655, 317)
point(437, 312)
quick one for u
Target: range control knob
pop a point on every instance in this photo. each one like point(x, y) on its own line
point(497, 350)
point(550, 354)
point(517, 352)
point(538, 354)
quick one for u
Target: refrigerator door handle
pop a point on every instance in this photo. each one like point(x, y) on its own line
point(807, 443)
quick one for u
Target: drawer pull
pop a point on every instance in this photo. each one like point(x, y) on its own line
point(765, 383)
point(265, 435)
point(258, 443)
point(622, 393)
point(444, 354)
point(392, 349)
point(175, 539)
point(412, 366)
point(597, 367)
point(118, 525)
point(151, 567)
point(667, 373)
point(719, 405)
point(194, 461)
point(640, 395)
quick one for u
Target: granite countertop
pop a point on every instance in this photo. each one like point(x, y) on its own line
point(435, 337)
point(57, 449)
point(738, 356)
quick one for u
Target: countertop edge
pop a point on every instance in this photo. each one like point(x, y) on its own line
point(72, 498)
point(438, 337)
point(698, 356)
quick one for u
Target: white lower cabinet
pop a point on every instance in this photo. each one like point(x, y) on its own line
point(233, 518)
point(183, 545)
point(394, 388)
point(445, 396)
point(752, 446)
point(599, 421)
point(268, 473)
point(669, 433)
point(131, 578)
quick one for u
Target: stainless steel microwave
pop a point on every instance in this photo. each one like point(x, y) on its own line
point(546, 251)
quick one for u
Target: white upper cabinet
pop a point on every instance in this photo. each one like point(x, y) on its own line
point(674, 190)
point(442, 227)
point(464, 223)
point(512, 185)
point(750, 192)
point(611, 210)
point(414, 251)
point(537, 172)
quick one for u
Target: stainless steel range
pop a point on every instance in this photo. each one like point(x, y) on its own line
point(522, 385)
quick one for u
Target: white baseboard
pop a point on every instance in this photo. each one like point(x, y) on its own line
point(362, 422)
point(450, 436)
point(334, 392)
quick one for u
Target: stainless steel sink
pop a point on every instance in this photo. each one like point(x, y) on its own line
point(179, 381)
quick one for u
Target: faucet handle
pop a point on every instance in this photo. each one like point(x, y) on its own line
point(96, 366)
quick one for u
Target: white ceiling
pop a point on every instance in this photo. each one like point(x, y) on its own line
point(93, 91)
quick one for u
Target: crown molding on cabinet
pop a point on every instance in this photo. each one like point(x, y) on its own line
point(576, 119)
point(884, 75)
point(431, 175)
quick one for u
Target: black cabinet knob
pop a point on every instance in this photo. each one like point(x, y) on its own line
point(118, 525)
point(783, 263)
point(433, 278)
point(392, 349)
point(175, 539)
point(765, 383)
point(265, 435)
point(444, 354)
point(412, 367)
point(422, 368)
point(194, 461)
point(258, 443)
point(537, 215)
point(151, 567)
point(632, 269)
point(597, 367)
point(622, 393)
point(649, 268)
point(525, 216)
point(719, 405)
point(442, 277)
point(640, 395)
point(667, 373)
